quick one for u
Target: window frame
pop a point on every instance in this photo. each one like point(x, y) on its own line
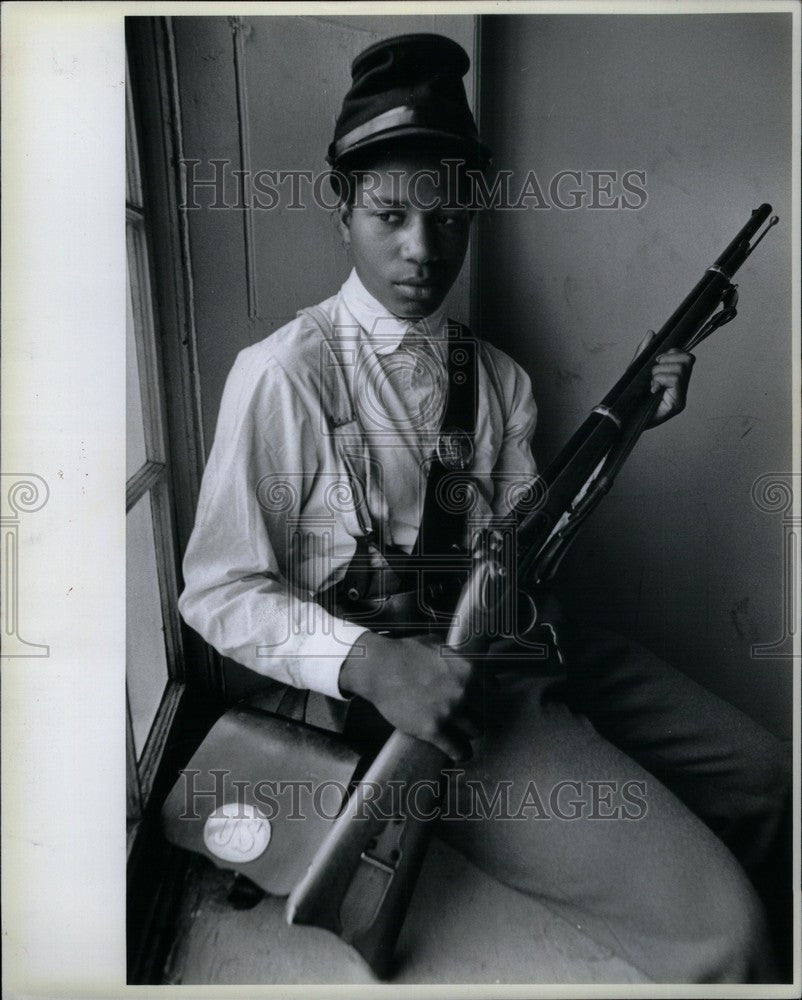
point(150, 484)
point(155, 869)
point(158, 254)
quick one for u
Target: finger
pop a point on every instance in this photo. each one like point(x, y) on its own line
point(672, 398)
point(426, 640)
point(676, 353)
point(501, 647)
point(682, 368)
point(650, 335)
point(499, 654)
point(520, 663)
point(511, 680)
point(681, 362)
point(668, 370)
point(466, 723)
point(461, 743)
point(669, 380)
point(670, 405)
point(453, 745)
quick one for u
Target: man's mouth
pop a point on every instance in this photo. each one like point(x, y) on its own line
point(419, 285)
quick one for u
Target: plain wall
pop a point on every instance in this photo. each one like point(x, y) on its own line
point(677, 555)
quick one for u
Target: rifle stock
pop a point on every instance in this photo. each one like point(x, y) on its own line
point(360, 883)
point(361, 880)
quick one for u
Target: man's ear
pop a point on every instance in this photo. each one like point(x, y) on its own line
point(344, 223)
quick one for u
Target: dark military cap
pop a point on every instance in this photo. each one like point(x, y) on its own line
point(404, 86)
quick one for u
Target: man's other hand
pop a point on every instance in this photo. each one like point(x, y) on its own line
point(670, 376)
point(416, 688)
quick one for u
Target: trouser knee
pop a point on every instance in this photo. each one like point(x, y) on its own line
point(733, 940)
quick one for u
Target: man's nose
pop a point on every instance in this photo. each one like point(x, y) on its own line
point(420, 239)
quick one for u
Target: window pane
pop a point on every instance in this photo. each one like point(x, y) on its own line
point(133, 185)
point(135, 454)
point(146, 662)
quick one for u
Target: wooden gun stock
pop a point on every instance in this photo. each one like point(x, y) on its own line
point(363, 876)
point(362, 879)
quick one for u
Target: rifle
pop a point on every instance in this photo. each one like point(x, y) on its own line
point(362, 878)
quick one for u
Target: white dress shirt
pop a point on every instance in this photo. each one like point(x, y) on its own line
point(277, 516)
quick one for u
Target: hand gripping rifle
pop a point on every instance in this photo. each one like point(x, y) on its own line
point(362, 878)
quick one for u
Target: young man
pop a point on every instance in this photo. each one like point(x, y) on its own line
point(326, 435)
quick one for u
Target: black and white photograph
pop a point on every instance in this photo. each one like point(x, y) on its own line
point(453, 625)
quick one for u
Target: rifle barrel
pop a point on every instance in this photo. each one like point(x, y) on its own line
point(575, 463)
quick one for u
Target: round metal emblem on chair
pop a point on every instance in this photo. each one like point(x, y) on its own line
point(455, 449)
point(237, 831)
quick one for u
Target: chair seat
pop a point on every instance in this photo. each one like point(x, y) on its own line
point(462, 927)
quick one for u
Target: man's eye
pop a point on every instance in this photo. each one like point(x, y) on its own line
point(448, 220)
point(388, 216)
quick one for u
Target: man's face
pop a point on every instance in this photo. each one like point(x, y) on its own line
point(407, 240)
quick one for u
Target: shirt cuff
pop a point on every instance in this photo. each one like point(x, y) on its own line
point(321, 672)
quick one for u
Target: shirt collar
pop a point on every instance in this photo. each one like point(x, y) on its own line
point(385, 330)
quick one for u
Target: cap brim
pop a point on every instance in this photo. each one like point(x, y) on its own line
point(475, 149)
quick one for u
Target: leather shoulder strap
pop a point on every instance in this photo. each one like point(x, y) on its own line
point(445, 508)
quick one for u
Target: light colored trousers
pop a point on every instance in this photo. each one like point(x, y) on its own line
point(660, 889)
